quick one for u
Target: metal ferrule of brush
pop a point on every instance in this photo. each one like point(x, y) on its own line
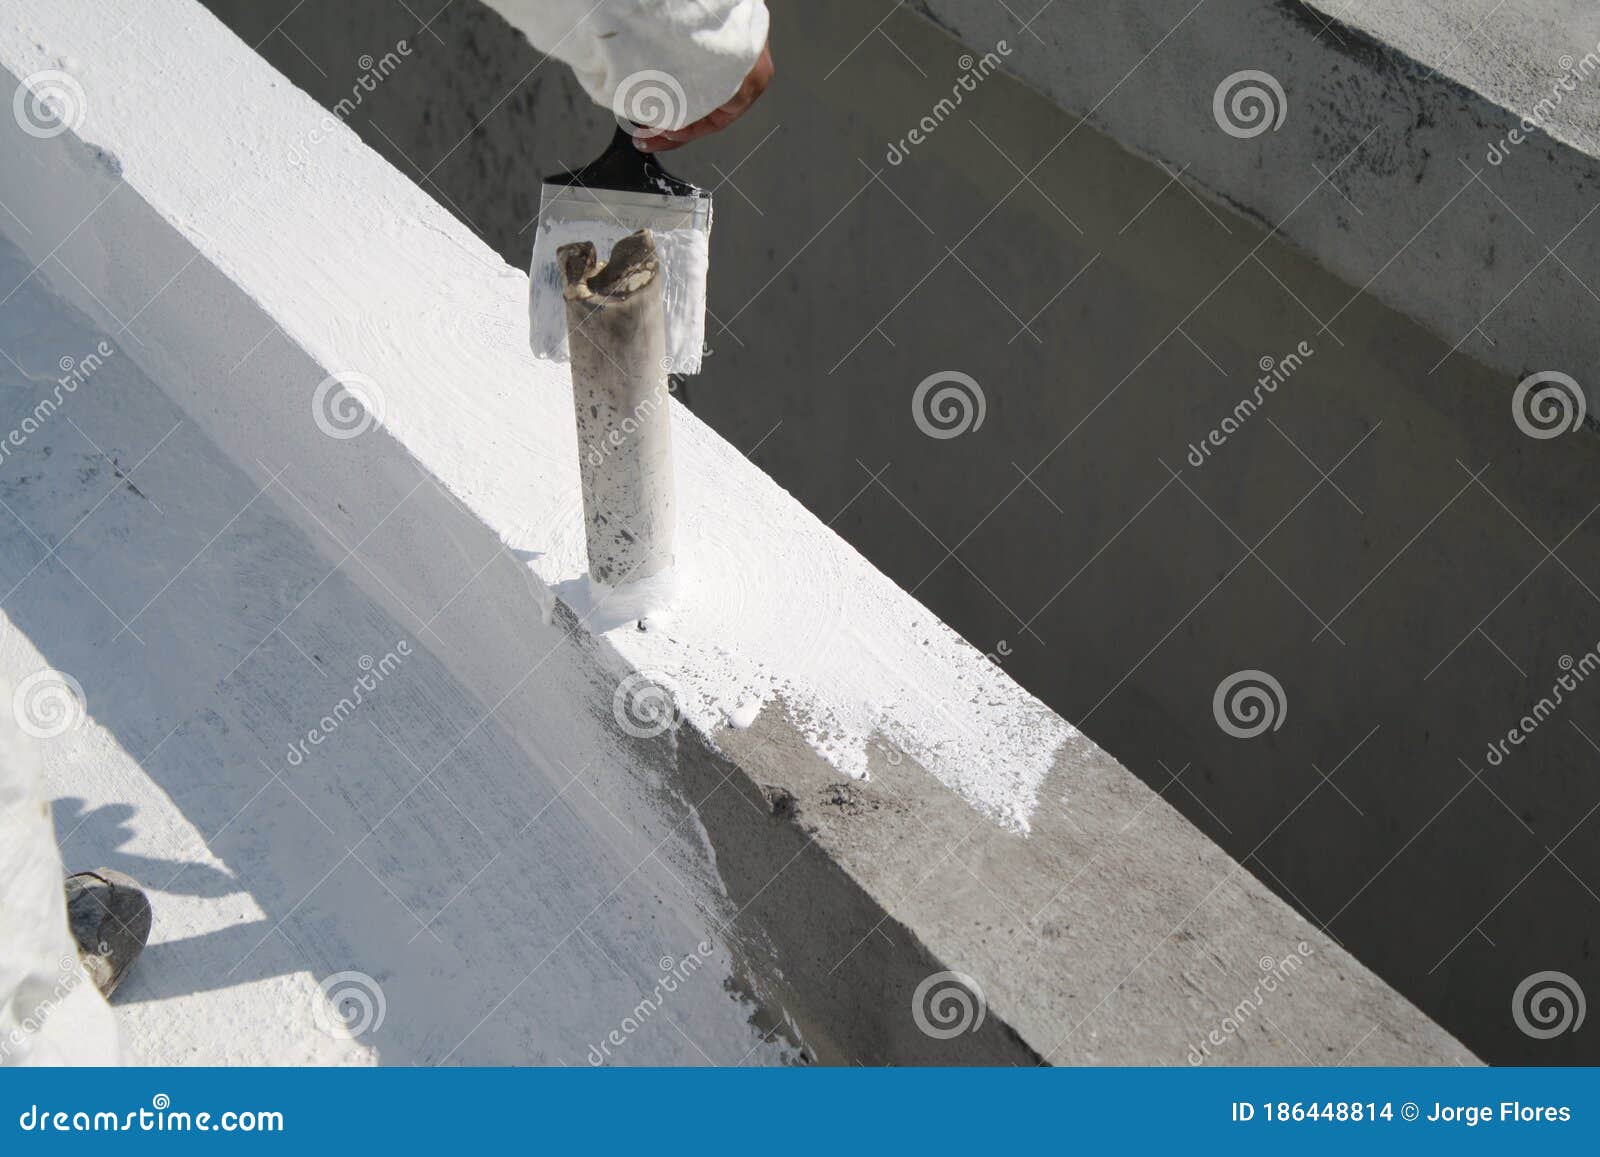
point(620, 192)
point(626, 208)
point(634, 186)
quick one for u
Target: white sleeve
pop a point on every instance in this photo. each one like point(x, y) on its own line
point(665, 63)
point(50, 1011)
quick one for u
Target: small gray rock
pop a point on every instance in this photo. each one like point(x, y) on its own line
point(109, 915)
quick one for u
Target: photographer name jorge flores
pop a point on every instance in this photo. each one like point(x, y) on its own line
point(1510, 1111)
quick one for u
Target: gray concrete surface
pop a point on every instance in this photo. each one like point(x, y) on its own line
point(1112, 935)
point(1385, 493)
point(1511, 53)
point(1391, 112)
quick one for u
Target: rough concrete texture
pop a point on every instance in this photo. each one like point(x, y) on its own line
point(1514, 54)
point(1116, 932)
point(1053, 536)
point(1399, 106)
point(1110, 936)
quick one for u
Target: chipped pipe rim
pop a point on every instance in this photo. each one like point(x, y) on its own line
point(631, 266)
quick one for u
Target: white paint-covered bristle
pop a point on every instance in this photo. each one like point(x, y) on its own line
point(685, 256)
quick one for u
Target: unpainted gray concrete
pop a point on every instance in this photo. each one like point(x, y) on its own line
point(1393, 113)
point(1110, 936)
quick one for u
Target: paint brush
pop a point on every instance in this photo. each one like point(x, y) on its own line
point(621, 192)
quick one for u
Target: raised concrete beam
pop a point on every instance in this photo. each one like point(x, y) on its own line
point(1404, 109)
point(328, 315)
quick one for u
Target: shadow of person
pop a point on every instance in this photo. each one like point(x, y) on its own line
point(181, 967)
point(98, 834)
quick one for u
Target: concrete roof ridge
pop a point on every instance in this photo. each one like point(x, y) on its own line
point(1427, 194)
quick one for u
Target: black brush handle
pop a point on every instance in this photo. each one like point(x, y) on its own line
point(624, 167)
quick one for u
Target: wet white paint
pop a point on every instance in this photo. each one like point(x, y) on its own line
point(685, 257)
point(360, 270)
point(505, 908)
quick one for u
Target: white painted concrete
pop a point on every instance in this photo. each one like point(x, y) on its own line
point(371, 279)
point(511, 907)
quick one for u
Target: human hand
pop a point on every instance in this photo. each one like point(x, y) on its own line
point(651, 140)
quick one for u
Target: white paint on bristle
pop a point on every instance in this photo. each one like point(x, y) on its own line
point(685, 256)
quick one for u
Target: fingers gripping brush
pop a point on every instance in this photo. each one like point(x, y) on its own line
point(621, 192)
